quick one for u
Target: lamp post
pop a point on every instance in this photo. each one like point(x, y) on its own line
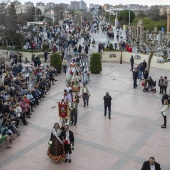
point(109, 17)
point(129, 17)
point(121, 50)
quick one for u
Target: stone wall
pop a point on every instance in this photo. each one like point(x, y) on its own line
point(138, 58)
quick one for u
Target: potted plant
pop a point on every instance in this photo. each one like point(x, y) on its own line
point(95, 63)
point(56, 62)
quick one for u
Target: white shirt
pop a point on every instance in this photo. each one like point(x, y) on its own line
point(84, 88)
point(67, 136)
point(68, 89)
point(152, 167)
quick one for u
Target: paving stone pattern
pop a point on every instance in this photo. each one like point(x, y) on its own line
point(122, 143)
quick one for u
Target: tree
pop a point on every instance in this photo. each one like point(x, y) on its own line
point(150, 24)
point(95, 63)
point(49, 21)
point(10, 18)
point(141, 14)
point(30, 14)
point(152, 44)
point(18, 40)
point(100, 8)
point(123, 16)
point(58, 12)
point(20, 20)
point(154, 12)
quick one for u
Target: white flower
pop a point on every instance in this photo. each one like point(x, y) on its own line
point(50, 142)
point(72, 147)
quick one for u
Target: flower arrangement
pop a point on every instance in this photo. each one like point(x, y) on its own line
point(50, 143)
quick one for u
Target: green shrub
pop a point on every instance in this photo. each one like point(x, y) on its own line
point(110, 46)
point(23, 50)
point(107, 50)
point(95, 63)
point(56, 62)
point(44, 47)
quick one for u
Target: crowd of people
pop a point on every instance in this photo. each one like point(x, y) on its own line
point(141, 73)
point(24, 85)
point(21, 89)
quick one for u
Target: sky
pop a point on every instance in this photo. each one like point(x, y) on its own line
point(111, 2)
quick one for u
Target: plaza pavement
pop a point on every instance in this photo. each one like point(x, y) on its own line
point(123, 143)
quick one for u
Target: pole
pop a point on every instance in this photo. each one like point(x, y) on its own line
point(116, 20)
point(81, 24)
point(59, 17)
point(35, 15)
point(109, 17)
point(129, 17)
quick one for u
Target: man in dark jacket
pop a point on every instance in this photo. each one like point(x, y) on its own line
point(131, 62)
point(145, 75)
point(45, 55)
point(144, 66)
point(151, 164)
point(135, 76)
point(107, 104)
point(67, 137)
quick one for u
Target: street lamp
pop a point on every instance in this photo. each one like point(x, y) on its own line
point(129, 17)
point(109, 17)
point(121, 38)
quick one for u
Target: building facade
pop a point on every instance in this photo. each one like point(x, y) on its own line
point(50, 5)
point(29, 4)
point(40, 4)
point(78, 5)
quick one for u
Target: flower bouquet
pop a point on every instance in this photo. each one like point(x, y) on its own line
point(72, 146)
point(50, 143)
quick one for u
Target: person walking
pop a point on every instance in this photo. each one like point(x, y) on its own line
point(65, 65)
point(165, 84)
point(131, 62)
point(140, 69)
point(56, 150)
point(68, 139)
point(85, 93)
point(164, 113)
point(45, 55)
point(151, 165)
point(160, 84)
point(107, 104)
point(74, 110)
point(79, 49)
point(135, 76)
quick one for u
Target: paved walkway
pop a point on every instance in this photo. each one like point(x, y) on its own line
point(122, 143)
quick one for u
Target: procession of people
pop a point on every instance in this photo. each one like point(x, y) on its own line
point(77, 77)
point(76, 69)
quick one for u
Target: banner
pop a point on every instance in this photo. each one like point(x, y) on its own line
point(62, 108)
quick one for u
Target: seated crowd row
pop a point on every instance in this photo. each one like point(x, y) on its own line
point(21, 90)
